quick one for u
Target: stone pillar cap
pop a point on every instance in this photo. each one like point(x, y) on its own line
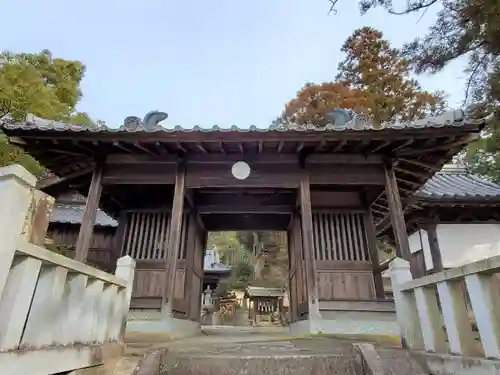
point(18, 172)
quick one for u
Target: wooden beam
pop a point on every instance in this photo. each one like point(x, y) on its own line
point(408, 182)
point(359, 175)
point(245, 209)
point(339, 145)
point(65, 152)
point(279, 148)
point(251, 158)
point(284, 176)
point(201, 147)
point(432, 236)
point(89, 214)
point(343, 159)
point(308, 241)
point(137, 174)
point(413, 173)
point(121, 147)
point(141, 159)
point(160, 148)
point(418, 163)
point(253, 222)
point(236, 198)
point(396, 213)
point(459, 143)
point(174, 238)
point(194, 210)
point(403, 145)
point(380, 146)
point(52, 181)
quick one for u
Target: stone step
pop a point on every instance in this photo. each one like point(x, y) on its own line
point(259, 365)
point(212, 355)
point(304, 357)
point(401, 362)
point(385, 361)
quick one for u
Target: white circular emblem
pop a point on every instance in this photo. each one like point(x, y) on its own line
point(240, 170)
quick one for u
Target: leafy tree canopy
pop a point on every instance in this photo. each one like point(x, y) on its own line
point(463, 28)
point(373, 79)
point(241, 276)
point(223, 241)
point(42, 85)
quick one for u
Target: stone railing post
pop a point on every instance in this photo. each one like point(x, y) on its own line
point(406, 307)
point(125, 269)
point(430, 319)
point(16, 184)
point(456, 319)
point(18, 281)
point(486, 306)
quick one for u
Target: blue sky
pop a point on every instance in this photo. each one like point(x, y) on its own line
point(203, 61)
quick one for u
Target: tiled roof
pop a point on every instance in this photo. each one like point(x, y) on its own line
point(73, 214)
point(216, 268)
point(458, 184)
point(341, 120)
point(256, 291)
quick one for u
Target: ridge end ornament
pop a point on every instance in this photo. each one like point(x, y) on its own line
point(151, 121)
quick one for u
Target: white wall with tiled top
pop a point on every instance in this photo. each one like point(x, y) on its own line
point(459, 243)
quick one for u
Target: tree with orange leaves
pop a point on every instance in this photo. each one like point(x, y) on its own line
point(373, 80)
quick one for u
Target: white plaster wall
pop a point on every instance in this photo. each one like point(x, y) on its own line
point(465, 243)
point(459, 243)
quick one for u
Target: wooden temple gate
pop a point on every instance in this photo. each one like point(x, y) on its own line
point(146, 239)
point(345, 258)
point(327, 186)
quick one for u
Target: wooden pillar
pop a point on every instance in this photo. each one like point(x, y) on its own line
point(119, 237)
point(292, 276)
point(308, 242)
point(199, 265)
point(300, 270)
point(175, 234)
point(191, 250)
point(89, 215)
point(437, 261)
point(372, 247)
point(397, 214)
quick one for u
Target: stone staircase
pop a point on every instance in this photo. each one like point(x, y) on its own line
point(257, 354)
point(262, 358)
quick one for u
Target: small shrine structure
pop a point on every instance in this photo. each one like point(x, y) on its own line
point(264, 304)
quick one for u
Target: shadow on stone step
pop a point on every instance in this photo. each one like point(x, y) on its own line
point(151, 363)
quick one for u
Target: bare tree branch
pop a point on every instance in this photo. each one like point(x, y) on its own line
point(332, 8)
point(414, 8)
